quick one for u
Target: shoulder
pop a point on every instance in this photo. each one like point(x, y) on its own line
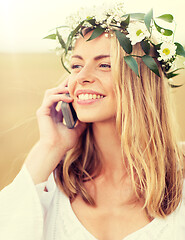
point(177, 219)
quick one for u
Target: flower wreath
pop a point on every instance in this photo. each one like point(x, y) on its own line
point(129, 30)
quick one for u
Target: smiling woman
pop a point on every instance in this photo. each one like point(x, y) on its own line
point(87, 65)
point(118, 173)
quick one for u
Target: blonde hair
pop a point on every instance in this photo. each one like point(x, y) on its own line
point(148, 141)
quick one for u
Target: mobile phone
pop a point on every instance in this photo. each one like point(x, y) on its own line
point(69, 114)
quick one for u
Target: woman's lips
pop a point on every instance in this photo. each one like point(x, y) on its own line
point(88, 101)
point(88, 96)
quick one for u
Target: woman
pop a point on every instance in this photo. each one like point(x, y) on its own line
point(118, 172)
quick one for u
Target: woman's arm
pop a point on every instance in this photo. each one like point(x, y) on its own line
point(55, 138)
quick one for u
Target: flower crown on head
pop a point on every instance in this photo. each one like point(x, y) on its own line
point(129, 29)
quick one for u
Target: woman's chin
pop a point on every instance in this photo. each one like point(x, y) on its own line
point(86, 119)
point(94, 119)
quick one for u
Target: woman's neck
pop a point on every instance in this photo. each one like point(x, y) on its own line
point(109, 144)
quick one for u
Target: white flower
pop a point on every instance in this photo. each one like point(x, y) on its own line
point(109, 20)
point(137, 32)
point(167, 51)
point(104, 25)
point(87, 24)
point(162, 31)
point(100, 16)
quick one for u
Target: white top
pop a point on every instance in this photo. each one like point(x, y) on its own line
point(29, 213)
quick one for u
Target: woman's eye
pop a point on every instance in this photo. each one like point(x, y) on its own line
point(104, 65)
point(75, 66)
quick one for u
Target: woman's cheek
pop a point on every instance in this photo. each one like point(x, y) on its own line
point(71, 85)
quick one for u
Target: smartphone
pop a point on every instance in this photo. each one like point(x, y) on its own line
point(69, 114)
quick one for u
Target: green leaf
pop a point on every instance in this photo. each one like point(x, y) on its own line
point(167, 32)
point(173, 74)
point(63, 26)
point(175, 86)
point(124, 41)
point(91, 21)
point(151, 64)
point(126, 22)
point(166, 17)
point(180, 49)
point(148, 18)
point(72, 34)
point(158, 46)
point(96, 33)
point(132, 64)
point(145, 46)
point(51, 36)
point(63, 64)
point(61, 41)
point(138, 16)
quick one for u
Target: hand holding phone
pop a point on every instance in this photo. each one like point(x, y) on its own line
point(69, 114)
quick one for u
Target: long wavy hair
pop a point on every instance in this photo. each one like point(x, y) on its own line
point(148, 136)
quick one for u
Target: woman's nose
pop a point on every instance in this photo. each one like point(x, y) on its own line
point(85, 76)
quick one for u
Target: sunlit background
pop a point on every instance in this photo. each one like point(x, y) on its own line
point(29, 65)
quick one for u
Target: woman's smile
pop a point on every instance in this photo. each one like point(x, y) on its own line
point(88, 96)
point(91, 83)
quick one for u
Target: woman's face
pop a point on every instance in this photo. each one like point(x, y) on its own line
point(90, 83)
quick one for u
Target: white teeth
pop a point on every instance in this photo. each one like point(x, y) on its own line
point(87, 96)
point(94, 96)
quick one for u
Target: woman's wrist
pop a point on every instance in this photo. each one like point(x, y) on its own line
point(42, 160)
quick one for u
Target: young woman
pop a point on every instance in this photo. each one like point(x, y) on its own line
point(118, 172)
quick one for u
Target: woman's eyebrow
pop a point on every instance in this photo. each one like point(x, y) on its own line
point(95, 58)
point(77, 56)
point(101, 56)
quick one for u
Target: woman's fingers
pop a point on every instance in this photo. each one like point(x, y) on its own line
point(52, 97)
point(51, 101)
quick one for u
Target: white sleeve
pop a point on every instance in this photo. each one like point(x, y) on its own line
point(21, 213)
point(46, 197)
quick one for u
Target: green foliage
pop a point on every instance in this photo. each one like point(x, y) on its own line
point(121, 28)
point(51, 36)
point(138, 16)
point(96, 33)
point(166, 32)
point(180, 49)
point(166, 17)
point(147, 19)
point(126, 22)
point(61, 41)
point(124, 41)
point(175, 86)
point(145, 46)
point(132, 64)
point(173, 74)
point(151, 64)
